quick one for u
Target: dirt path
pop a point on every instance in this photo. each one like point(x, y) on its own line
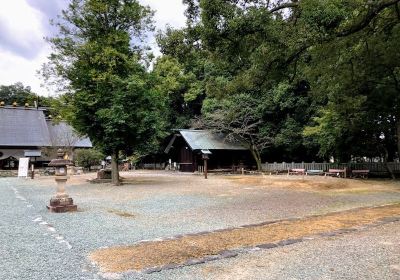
point(183, 249)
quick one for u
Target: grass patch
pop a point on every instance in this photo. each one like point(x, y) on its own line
point(121, 213)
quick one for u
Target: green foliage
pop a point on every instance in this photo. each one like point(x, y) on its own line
point(20, 94)
point(314, 80)
point(99, 54)
point(174, 85)
point(355, 78)
point(87, 157)
point(295, 81)
point(180, 74)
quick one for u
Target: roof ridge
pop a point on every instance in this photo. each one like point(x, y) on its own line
point(22, 108)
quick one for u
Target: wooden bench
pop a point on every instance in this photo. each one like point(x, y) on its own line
point(315, 172)
point(277, 172)
point(362, 173)
point(336, 172)
point(297, 171)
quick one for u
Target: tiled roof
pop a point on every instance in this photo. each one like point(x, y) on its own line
point(23, 127)
point(207, 140)
point(27, 127)
point(62, 135)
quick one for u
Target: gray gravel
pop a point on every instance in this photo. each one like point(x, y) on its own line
point(36, 244)
point(370, 254)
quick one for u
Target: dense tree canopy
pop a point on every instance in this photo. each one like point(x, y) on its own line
point(297, 80)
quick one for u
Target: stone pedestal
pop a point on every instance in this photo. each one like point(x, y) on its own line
point(62, 204)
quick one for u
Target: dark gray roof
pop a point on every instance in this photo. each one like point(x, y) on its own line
point(207, 140)
point(23, 127)
point(27, 127)
point(62, 135)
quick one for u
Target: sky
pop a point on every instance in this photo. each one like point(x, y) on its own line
point(25, 23)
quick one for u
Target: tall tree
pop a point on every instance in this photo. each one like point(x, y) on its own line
point(277, 54)
point(100, 55)
point(180, 73)
point(356, 78)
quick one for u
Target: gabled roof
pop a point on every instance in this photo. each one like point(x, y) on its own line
point(28, 127)
point(23, 127)
point(62, 135)
point(206, 140)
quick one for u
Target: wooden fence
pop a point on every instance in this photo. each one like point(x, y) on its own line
point(376, 167)
point(154, 166)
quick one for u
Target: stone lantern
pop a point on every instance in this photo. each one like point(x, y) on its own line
point(61, 202)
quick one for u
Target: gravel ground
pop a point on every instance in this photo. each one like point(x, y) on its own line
point(370, 254)
point(36, 244)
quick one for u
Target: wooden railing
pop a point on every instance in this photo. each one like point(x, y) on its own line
point(378, 167)
point(154, 166)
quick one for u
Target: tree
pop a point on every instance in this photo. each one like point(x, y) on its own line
point(292, 64)
point(99, 55)
point(180, 74)
point(88, 157)
point(359, 74)
point(21, 94)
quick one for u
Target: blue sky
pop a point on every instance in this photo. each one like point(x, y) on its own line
point(24, 24)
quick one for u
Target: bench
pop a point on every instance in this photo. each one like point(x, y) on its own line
point(362, 173)
point(315, 172)
point(277, 172)
point(336, 172)
point(297, 171)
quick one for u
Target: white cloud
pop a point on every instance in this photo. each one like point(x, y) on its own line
point(22, 28)
point(14, 68)
point(167, 12)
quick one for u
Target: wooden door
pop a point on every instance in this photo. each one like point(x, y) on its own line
point(186, 159)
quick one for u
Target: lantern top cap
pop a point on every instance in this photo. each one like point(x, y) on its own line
point(60, 161)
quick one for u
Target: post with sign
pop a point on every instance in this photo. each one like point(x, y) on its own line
point(205, 156)
point(23, 166)
point(61, 202)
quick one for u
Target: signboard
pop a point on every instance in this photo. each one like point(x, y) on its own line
point(23, 167)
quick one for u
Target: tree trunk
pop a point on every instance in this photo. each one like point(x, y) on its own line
point(256, 156)
point(114, 169)
point(398, 138)
point(385, 162)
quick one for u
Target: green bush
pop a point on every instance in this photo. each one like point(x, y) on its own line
point(88, 157)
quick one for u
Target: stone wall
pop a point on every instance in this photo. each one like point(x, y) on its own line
point(8, 173)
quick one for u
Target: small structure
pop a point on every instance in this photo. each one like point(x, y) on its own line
point(61, 202)
point(194, 149)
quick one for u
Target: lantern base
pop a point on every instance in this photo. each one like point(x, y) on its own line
point(62, 205)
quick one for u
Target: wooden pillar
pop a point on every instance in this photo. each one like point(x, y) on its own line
point(205, 168)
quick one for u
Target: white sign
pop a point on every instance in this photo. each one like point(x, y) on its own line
point(23, 167)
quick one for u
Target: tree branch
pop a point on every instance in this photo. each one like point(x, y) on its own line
point(284, 6)
point(372, 13)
